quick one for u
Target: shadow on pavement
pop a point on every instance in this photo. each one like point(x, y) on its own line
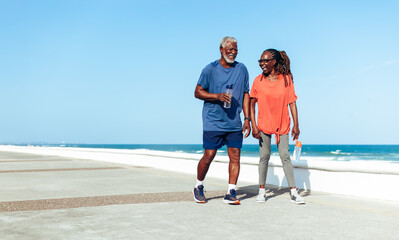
point(271, 191)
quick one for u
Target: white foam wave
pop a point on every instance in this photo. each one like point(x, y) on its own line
point(339, 152)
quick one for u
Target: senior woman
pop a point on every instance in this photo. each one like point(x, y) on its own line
point(273, 91)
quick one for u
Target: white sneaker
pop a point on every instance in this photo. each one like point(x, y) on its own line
point(295, 198)
point(261, 198)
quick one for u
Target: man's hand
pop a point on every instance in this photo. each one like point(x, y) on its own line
point(224, 97)
point(246, 129)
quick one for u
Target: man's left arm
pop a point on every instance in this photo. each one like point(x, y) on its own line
point(246, 128)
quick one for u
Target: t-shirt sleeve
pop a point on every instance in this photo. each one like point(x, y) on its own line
point(291, 92)
point(246, 81)
point(204, 78)
point(254, 92)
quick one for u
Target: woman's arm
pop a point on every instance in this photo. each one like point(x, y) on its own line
point(246, 128)
point(255, 130)
point(294, 113)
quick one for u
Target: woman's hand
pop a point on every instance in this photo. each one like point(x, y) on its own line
point(295, 133)
point(255, 132)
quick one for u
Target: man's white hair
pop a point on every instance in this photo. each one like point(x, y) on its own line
point(227, 39)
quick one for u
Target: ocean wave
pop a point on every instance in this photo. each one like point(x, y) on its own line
point(339, 152)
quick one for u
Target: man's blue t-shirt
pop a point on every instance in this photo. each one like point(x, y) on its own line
point(214, 79)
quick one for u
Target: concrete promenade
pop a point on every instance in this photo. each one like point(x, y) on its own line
point(51, 197)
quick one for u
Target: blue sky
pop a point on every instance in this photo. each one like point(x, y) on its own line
point(125, 71)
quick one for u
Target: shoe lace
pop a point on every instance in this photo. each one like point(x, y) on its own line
point(201, 191)
point(233, 193)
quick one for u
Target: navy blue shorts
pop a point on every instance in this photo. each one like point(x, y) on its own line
point(216, 139)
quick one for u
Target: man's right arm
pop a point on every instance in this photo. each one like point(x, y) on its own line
point(202, 94)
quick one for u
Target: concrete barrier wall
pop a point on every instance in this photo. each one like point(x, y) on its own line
point(371, 179)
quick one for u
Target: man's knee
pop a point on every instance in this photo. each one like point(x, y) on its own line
point(234, 155)
point(208, 156)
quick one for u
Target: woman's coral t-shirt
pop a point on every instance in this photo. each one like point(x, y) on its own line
point(273, 98)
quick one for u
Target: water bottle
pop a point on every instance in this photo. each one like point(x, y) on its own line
point(229, 91)
point(297, 151)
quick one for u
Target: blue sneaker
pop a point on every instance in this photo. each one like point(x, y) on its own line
point(198, 193)
point(231, 198)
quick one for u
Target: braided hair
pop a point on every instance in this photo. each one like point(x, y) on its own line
point(282, 65)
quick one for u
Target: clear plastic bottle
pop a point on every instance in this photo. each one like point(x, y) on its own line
point(297, 151)
point(229, 91)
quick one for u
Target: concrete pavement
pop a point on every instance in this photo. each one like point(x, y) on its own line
point(49, 197)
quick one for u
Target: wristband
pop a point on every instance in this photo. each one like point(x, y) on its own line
point(247, 119)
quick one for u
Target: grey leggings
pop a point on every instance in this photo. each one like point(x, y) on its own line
point(265, 149)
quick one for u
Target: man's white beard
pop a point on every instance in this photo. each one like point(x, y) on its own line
point(226, 58)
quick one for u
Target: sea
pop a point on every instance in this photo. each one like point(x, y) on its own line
point(388, 153)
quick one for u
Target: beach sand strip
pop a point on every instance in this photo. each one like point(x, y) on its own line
point(60, 169)
point(55, 160)
point(95, 201)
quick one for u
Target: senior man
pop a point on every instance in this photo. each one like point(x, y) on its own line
point(221, 115)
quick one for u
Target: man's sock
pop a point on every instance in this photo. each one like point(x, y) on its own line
point(293, 191)
point(231, 186)
point(262, 191)
point(198, 183)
